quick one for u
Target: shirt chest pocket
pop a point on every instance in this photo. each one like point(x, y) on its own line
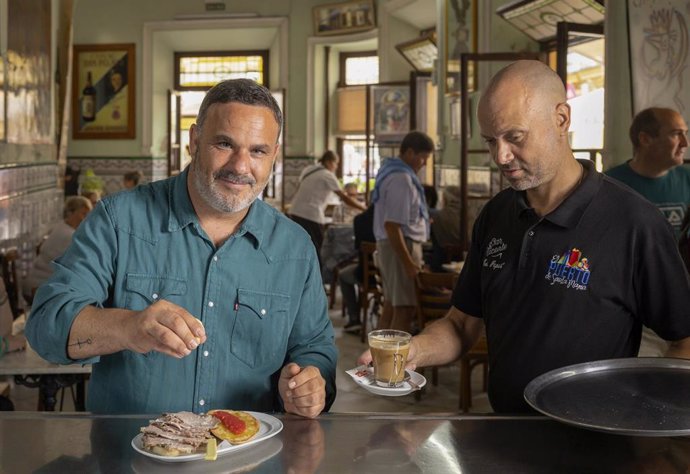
point(144, 290)
point(260, 330)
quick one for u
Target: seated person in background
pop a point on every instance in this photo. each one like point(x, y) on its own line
point(192, 262)
point(352, 274)
point(316, 183)
point(445, 227)
point(93, 196)
point(74, 212)
point(349, 212)
point(566, 265)
point(132, 179)
point(431, 197)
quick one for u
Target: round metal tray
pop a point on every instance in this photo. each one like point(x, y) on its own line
point(634, 396)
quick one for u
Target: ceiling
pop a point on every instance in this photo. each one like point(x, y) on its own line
point(421, 14)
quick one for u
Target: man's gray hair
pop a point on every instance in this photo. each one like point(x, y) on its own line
point(74, 204)
point(244, 91)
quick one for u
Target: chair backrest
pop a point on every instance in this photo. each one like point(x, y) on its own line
point(8, 265)
point(434, 292)
point(371, 276)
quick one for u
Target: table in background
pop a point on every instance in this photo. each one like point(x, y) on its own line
point(31, 370)
point(333, 443)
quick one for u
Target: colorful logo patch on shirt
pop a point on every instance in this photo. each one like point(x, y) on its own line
point(570, 269)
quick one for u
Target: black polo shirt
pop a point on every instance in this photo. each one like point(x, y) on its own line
point(573, 286)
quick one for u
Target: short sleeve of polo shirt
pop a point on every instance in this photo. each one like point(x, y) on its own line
point(662, 301)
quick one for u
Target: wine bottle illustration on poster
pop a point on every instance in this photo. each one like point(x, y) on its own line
point(88, 100)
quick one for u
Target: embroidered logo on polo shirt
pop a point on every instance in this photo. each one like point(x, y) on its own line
point(570, 269)
point(493, 257)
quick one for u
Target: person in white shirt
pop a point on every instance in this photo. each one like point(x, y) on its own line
point(75, 211)
point(316, 183)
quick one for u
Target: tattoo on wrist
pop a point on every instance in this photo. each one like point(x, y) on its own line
point(80, 343)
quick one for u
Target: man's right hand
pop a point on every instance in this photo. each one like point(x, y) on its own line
point(366, 359)
point(163, 327)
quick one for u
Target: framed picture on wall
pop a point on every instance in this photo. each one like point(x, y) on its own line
point(420, 52)
point(344, 17)
point(391, 111)
point(103, 91)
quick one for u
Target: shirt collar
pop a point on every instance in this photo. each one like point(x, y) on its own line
point(180, 209)
point(182, 213)
point(570, 211)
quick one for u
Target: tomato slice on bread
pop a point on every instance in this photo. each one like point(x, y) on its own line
point(236, 426)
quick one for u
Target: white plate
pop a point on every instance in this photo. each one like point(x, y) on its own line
point(364, 377)
point(269, 427)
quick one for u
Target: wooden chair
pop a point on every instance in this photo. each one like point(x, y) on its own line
point(370, 292)
point(478, 355)
point(434, 291)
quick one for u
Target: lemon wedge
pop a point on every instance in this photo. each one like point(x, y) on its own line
point(211, 450)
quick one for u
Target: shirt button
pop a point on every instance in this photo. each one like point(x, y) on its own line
point(263, 311)
point(215, 258)
point(154, 296)
point(201, 402)
point(205, 353)
point(531, 233)
point(210, 304)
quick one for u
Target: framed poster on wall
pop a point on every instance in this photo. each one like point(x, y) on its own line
point(344, 17)
point(391, 114)
point(103, 91)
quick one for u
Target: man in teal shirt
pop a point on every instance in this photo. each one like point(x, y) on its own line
point(191, 294)
point(659, 138)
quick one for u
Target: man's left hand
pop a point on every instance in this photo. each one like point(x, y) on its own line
point(302, 389)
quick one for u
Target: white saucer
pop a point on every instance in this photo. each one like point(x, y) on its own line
point(364, 377)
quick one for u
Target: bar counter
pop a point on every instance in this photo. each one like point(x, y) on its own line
point(335, 443)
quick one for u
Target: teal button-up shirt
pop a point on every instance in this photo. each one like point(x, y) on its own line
point(259, 296)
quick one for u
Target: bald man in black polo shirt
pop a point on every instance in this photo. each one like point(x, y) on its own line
point(565, 266)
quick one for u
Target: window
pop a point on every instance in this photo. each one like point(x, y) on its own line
point(359, 68)
point(356, 70)
point(202, 70)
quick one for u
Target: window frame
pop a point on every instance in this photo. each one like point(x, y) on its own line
point(343, 57)
point(201, 54)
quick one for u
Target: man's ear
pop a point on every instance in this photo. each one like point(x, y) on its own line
point(193, 139)
point(645, 138)
point(563, 117)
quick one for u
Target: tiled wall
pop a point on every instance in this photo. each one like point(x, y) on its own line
point(30, 204)
point(111, 169)
point(293, 168)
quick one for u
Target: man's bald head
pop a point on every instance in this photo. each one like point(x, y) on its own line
point(528, 80)
point(524, 118)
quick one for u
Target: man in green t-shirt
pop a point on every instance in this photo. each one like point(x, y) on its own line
point(659, 138)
